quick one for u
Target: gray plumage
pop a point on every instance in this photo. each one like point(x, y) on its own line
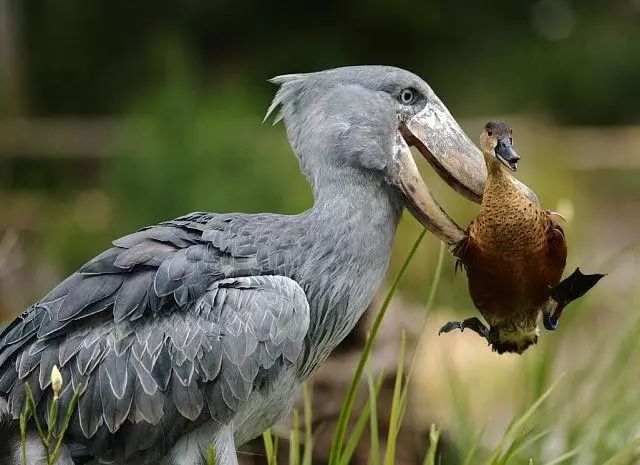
point(200, 329)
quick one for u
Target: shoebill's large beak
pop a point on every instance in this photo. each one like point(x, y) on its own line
point(439, 138)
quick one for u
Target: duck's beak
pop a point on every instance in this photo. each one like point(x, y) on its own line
point(506, 153)
point(439, 138)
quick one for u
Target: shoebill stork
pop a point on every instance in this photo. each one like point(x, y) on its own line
point(199, 330)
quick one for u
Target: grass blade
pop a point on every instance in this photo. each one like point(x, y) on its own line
point(269, 447)
point(396, 407)
point(433, 289)
point(626, 455)
point(67, 420)
point(434, 437)
point(514, 431)
point(308, 439)
point(211, 455)
point(347, 405)
point(436, 279)
point(526, 441)
point(32, 407)
point(474, 446)
point(24, 418)
point(358, 429)
point(566, 456)
point(521, 441)
point(294, 440)
point(374, 450)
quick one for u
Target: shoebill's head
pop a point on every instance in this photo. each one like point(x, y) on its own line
point(356, 125)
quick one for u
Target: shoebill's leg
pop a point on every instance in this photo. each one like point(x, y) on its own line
point(225, 447)
point(193, 448)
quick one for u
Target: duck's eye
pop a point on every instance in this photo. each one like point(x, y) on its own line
point(489, 132)
point(407, 96)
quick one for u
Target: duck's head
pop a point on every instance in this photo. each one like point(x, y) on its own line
point(496, 142)
point(355, 125)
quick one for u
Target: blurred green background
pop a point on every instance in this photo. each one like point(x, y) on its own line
point(115, 115)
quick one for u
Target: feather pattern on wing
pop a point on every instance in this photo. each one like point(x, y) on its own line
point(172, 325)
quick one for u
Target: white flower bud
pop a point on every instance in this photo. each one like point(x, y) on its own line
point(56, 381)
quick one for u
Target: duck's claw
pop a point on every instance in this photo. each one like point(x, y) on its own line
point(474, 324)
point(450, 326)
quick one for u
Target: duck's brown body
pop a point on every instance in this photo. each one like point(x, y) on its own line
point(514, 254)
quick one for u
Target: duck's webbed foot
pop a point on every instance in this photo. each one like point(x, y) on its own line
point(566, 291)
point(574, 286)
point(474, 324)
point(550, 320)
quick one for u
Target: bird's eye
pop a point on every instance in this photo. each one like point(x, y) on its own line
point(489, 132)
point(407, 96)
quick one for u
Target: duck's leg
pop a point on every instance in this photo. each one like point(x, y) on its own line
point(550, 320)
point(474, 324)
point(566, 291)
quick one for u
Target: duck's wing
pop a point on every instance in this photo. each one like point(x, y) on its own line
point(460, 250)
point(157, 335)
point(556, 250)
point(479, 273)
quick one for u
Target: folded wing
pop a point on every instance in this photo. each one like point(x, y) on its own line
point(157, 336)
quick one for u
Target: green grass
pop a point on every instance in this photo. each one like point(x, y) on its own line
point(51, 439)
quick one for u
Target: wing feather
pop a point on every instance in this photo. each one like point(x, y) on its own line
point(154, 329)
point(556, 253)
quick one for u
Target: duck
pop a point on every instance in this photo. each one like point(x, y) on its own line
point(514, 254)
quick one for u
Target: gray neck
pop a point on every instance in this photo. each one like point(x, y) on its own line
point(349, 235)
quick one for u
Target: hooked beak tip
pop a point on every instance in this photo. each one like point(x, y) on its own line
point(506, 154)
